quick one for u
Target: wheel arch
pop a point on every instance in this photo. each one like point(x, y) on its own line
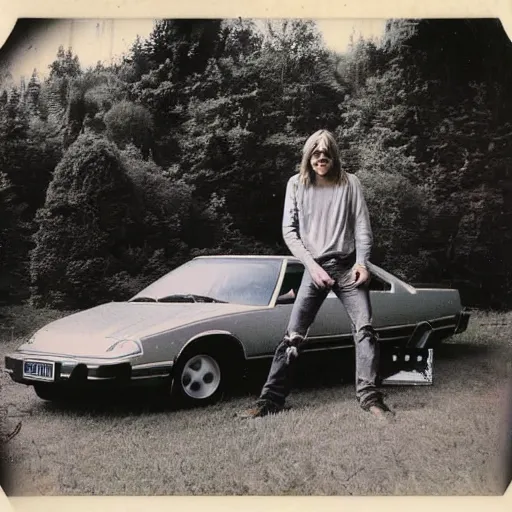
point(234, 343)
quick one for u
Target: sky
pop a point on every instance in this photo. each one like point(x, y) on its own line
point(104, 40)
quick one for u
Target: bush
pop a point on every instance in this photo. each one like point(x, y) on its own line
point(398, 215)
point(128, 123)
point(86, 222)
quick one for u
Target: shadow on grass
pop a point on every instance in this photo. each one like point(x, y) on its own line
point(333, 370)
point(313, 372)
point(110, 403)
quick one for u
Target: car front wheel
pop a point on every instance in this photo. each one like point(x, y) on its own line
point(199, 378)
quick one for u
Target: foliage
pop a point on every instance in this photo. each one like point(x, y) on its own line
point(66, 65)
point(185, 148)
point(27, 158)
point(465, 156)
point(428, 117)
point(245, 121)
point(129, 123)
point(84, 227)
point(398, 217)
point(165, 216)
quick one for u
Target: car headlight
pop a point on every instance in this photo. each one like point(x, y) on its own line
point(124, 348)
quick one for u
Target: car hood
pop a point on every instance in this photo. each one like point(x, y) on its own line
point(92, 331)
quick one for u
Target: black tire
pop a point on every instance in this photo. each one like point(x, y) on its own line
point(199, 377)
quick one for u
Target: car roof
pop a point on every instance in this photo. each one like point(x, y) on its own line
point(249, 256)
point(292, 259)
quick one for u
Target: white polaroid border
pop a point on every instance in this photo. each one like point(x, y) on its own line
point(354, 9)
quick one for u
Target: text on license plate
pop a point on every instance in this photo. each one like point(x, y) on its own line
point(39, 370)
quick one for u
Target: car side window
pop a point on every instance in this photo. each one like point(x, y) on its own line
point(291, 283)
point(293, 278)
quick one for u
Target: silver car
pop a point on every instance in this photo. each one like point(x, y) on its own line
point(195, 330)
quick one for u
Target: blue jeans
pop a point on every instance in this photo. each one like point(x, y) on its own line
point(356, 301)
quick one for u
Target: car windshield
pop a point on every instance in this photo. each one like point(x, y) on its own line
point(237, 281)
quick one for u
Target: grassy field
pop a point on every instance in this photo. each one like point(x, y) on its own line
point(447, 438)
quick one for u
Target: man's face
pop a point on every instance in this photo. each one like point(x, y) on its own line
point(321, 160)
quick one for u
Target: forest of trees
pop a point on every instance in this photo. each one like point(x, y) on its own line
point(113, 175)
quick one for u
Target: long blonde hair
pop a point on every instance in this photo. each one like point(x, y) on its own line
point(306, 172)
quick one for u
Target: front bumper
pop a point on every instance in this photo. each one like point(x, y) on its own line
point(83, 371)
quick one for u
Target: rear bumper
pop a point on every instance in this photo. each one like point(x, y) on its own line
point(462, 321)
point(427, 334)
point(80, 372)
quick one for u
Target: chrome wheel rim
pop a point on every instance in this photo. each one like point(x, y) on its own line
point(200, 377)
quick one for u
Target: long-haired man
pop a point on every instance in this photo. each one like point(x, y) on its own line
point(326, 225)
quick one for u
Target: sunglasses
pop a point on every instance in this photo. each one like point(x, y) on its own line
point(317, 154)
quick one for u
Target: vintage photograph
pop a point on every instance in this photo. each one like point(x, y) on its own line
point(255, 257)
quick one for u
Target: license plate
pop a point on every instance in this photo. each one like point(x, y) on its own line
point(39, 370)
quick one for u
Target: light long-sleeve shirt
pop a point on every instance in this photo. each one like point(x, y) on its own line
point(326, 221)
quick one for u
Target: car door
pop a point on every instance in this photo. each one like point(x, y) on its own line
point(391, 304)
point(332, 326)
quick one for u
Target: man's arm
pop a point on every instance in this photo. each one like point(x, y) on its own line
point(362, 233)
point(291, 226)
point(362, 229)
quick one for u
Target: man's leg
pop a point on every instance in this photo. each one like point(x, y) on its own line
point(356, 301)
point(277, 387)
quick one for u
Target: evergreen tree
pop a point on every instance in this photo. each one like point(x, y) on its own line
point(66, 65)
point(84, 225)
point(248, 117)
point(32, 94)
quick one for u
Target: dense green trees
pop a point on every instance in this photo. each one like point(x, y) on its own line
point(84, 226)
point(28, 156)
point(459, 110)
point(111, 176)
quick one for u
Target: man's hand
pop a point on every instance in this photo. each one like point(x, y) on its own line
point(320, 277)
point(360, 275)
